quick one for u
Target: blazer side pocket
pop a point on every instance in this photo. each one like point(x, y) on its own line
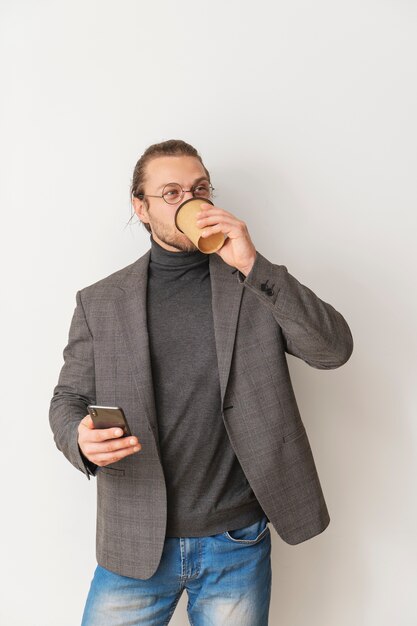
point(299, 432)
point(111, 471)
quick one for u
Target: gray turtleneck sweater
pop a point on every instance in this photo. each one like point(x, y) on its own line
point(206, 488)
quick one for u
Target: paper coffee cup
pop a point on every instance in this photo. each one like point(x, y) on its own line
point(186, 222)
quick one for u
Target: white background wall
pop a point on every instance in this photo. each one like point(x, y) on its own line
point(305, 114)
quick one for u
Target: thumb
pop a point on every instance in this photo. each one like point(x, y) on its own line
point(87, 422)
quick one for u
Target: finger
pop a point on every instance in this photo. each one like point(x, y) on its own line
point(217, 214)
point(213, 230)
point(100, 434)
point(217, 218)
point(207, 205)
point(103, 434)
point(111, 445)
point(214, 211)
point(106, 458)
point(231, 230)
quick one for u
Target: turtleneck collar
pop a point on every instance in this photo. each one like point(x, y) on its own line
point(161, 256)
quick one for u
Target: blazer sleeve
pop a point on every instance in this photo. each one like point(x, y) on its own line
point(74, 391)
point(312, 329)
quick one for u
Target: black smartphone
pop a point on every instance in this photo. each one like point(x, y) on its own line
point(109, 417)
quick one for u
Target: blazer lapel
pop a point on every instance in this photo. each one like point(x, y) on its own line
point(226, 298)
point(132, 316)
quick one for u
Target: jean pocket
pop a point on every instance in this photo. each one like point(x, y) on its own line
point(249, 534)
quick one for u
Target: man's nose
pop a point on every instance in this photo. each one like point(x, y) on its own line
point(187, 194)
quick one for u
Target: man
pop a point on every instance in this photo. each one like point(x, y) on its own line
point(192, 347)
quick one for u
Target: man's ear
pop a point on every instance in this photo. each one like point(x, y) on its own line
point(140, 209)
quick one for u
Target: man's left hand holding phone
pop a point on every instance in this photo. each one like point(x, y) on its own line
point(103, 446)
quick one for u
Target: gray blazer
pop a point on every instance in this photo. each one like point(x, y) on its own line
point(256, 321)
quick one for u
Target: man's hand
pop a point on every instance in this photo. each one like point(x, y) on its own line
point(238, 250)
point(103, 446)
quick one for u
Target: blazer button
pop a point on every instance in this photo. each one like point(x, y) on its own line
point(268, 290)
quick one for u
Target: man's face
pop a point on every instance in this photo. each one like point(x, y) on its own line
point(185, 170)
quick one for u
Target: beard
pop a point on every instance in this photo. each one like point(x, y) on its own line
point(171, 236)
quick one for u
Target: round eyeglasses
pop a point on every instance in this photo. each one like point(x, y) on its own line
point(173, 192)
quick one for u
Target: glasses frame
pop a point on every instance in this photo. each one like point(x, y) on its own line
point(141, 196)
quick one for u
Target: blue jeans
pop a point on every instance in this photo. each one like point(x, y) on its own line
point(227, 578)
